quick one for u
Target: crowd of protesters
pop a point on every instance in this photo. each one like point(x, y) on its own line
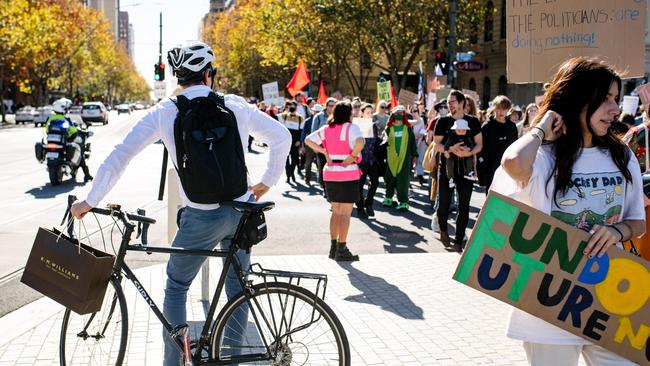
point(464, 143)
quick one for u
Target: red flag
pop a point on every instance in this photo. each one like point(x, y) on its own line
point(299, 80)
point(322, 96)
point(393, 99)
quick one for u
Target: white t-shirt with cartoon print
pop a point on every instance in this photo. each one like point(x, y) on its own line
point(598, 194)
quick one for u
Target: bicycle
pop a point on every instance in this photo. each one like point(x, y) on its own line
point(283, 323)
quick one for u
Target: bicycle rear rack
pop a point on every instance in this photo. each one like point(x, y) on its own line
point(318, 280)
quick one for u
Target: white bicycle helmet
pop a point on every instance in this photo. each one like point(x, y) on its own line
point(190, 60)
point(60, 105)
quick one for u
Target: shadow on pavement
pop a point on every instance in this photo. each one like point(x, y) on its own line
point(377, 291)
point(50, 191)
point(397, 239)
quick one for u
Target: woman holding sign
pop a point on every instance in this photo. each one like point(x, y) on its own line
point(571, 166)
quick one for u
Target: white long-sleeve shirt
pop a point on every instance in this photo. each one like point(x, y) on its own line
point(158, 124)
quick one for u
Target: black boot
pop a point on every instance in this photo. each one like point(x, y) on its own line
point(333, 249)
point(88, 178)
point(369, 210)
point(361, 213)
point(343, 254)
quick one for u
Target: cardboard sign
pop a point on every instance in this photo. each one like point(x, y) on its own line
point(442, 93)
point(365, 124)
point(644, 94)
point(383, 90)
point(407, 98)
point(541, 35)
point(271, 94)
point(534, 262)
point(630, 104)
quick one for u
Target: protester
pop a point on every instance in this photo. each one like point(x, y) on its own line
point(343, 142)
point(635, 138)
point(356, 107)
point(420, 133)
point(204, 225)
point(370, 168)
point(294, 123)
point(571, 141)
point(310, 155)
point(463, 186)
point(470, 108)
point(301, 108)
point(530, 114)
point(401, 153)
point(463, 166)
point(515, 114)
point(380, 118)
point(498, 133)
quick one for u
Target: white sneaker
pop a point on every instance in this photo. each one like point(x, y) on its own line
point(435, 226)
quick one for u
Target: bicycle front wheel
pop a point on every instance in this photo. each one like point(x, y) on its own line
point(97, 338)
point(280, 324)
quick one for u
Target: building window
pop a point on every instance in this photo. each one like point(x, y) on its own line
point(472, 84)
point(489, 22)
point(503, 85)
point(503, 19)
point(487, 86)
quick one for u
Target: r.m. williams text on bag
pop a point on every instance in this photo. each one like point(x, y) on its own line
point(74, 276)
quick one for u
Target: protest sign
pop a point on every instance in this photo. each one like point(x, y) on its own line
point(644, 94)
point(534, 262)
point(271, 94)
point(365, 124)
point(407, 98)
point(442, 93)
point(630, 104)
point(383, 90)
point(541, 35)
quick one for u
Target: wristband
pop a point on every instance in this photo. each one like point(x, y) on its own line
point(618, 231)
point(536, 135)
point(541, 129)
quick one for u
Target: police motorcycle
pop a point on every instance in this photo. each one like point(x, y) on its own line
point(62, 153)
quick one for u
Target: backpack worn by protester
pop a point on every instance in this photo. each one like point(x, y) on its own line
point(209, 153)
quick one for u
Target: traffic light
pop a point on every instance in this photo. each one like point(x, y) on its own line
point(441, 60)
point(159, 72)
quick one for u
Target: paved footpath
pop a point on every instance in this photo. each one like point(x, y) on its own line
point(397, 309)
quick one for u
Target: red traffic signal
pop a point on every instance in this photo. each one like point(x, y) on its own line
point(159, 72)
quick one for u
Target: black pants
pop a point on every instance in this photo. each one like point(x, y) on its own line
point(292, 161)
point(464, 190)
point(310, 157)
point(320, 162)
point(373, 173)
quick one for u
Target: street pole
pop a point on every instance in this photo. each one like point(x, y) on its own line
point(160, 42)
point(451, 52)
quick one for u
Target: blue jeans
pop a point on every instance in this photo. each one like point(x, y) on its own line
point(198, 229)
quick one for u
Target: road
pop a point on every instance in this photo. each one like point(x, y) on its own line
point(298, 224)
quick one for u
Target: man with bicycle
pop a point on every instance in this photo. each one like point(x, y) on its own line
point(202, 166)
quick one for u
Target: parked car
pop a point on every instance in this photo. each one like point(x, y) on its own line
point(42, 114)
point(138, 106)
point(94, 112)
point(123, 108)
point(25, 114)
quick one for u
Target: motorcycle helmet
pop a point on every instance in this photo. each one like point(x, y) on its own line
point(188, 61)
point(60, 106)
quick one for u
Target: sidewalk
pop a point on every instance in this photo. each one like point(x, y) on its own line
point(397, 309)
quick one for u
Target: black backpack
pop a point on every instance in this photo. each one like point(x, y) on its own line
point(209, 154)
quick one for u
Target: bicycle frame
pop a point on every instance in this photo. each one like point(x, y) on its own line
point(202, 343)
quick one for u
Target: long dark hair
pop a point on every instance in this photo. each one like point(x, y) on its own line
point(580, 82)
point(342, 114)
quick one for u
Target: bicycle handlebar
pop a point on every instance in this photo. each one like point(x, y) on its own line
point(115, 209)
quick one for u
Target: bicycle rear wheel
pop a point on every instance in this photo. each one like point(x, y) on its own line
point(97, 338)
point(285, 325)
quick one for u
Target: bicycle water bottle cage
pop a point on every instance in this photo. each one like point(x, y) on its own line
point(181, 335)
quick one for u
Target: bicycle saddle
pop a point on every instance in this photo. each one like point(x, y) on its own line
point(251, 207)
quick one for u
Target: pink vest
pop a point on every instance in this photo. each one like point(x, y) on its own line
point(336, 141)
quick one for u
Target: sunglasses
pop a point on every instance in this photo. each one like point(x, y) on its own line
point(382, 107)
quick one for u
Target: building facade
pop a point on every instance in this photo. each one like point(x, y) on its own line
point(124, 32)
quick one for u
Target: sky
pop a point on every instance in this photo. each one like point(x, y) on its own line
point(181, 22)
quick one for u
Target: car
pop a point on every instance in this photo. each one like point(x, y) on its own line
point(42, 114)
point(138, 106)
point(123, 108)
point(75, 109)
point(94, 112)
point(25, 114)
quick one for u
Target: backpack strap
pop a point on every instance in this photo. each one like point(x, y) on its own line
point(181, 102)
point(218, 97)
